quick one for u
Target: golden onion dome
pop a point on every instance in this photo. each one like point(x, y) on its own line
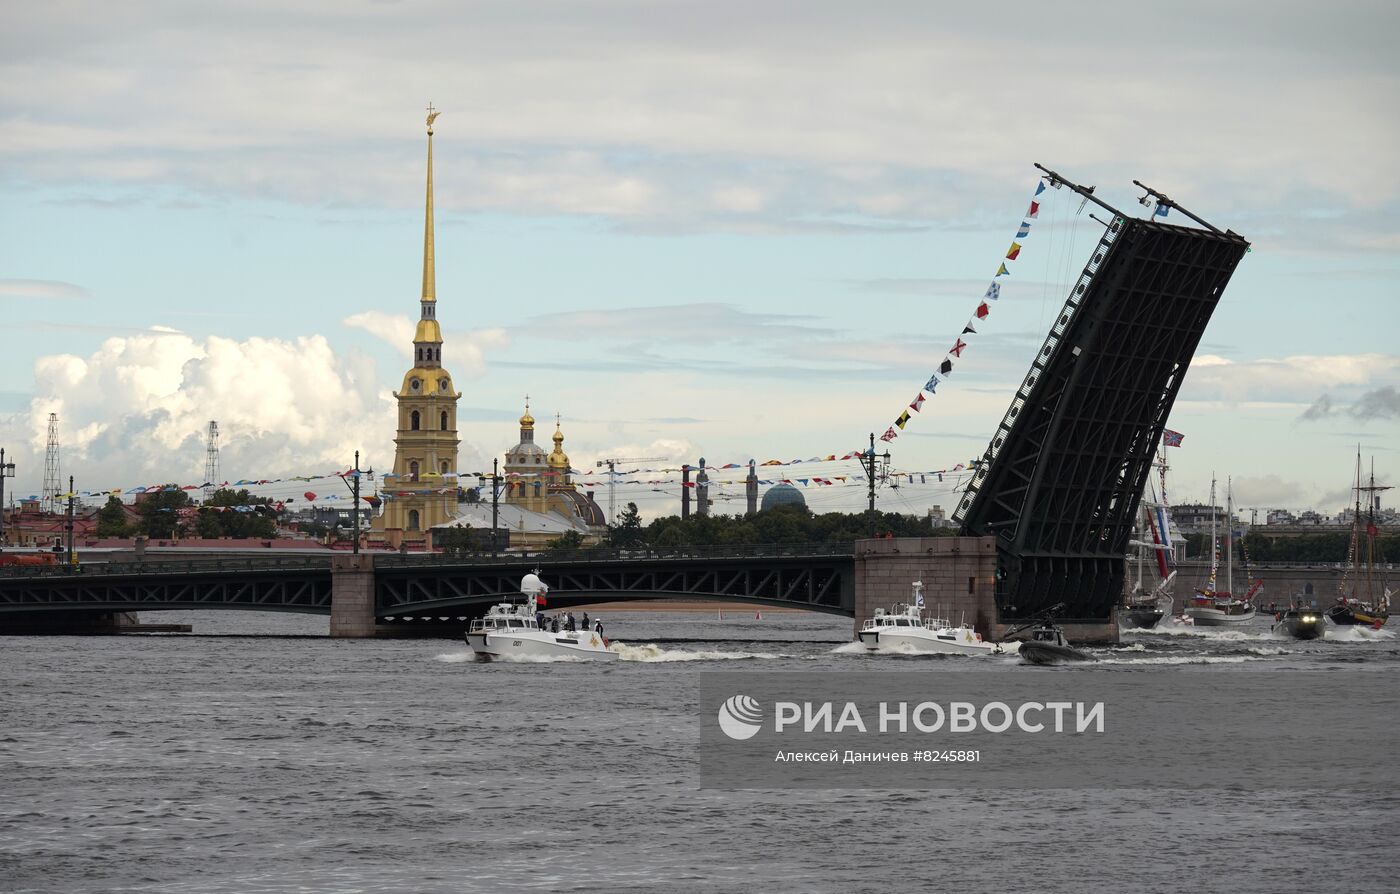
point(559, 459)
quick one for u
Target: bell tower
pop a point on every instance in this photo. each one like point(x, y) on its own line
point(422, 490)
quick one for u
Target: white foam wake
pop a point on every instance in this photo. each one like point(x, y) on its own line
point(654, 654)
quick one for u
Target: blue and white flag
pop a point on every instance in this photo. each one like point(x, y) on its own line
point(1161, 210)
point(1040, 187)
point(993, 291)
point(919, 598)
point(931, 384)
point(1025, 230)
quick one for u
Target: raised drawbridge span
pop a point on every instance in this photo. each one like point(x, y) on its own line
point(1060, 482)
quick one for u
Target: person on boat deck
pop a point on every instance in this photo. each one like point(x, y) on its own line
point(598, 626)
point(585, 620)
point(539, 619)
point(555, 624)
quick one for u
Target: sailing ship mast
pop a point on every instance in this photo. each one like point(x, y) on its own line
point(1229, 536)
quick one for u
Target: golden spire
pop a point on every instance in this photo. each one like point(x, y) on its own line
point(429, 274)
point(527, 421)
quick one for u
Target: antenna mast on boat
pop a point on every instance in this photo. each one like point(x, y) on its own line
point(1229, 537)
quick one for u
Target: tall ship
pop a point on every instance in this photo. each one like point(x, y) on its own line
point(1151, 596)
point(1362, 596)
point(1210, 607)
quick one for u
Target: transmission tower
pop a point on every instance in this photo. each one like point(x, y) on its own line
point(211, 461)
point(52, 485)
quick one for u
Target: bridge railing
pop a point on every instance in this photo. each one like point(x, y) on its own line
point(224, 565)
point(182, 566)
point(602, 554)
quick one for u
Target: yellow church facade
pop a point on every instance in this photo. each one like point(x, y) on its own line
point(421, 492)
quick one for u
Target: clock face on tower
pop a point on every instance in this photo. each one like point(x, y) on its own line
point(414, 384)
point(442, 385)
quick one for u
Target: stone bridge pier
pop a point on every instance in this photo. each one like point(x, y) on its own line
point(352, 596)
point(959, 575)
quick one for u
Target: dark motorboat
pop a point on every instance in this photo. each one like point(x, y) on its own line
point(1143, 617)
point(1047, 644)
point(1300, 623)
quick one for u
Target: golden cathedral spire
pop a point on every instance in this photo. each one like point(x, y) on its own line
point(429, 272)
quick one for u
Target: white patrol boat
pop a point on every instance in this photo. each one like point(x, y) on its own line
point(509, 630)
point(904, 629)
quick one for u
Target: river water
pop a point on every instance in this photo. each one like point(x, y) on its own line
point(267, 758)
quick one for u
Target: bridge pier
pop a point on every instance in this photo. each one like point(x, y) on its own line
point(959, 574)
point(352, 596)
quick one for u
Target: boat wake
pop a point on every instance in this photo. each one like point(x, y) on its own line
point(651, 653)
point(1178, 659)
point(1355, 633)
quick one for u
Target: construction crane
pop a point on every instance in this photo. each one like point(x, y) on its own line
point(612, 465)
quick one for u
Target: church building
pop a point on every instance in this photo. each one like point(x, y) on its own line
point(422, 489)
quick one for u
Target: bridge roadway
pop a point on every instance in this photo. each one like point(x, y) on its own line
point(416, 588)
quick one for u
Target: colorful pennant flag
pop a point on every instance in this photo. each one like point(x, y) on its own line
point(918, 403)
point(958, 348)
point(968, 328)
point(1013, 251)
point(1034, 210)
point(889, 435)
point(982, 310)
point(946, 366)
point(931, 385)
point(1161, 210)
point(993, 291)
point(1025, 230)
point(1002, 271)
point(903, 419)
point(1040, 187)
point(1172, 438)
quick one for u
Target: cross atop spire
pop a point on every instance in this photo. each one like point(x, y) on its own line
point(432, 116)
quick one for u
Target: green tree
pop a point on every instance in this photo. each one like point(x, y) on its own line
point(566, 542)
point(111, 519)
point(627, 533)
point(459, 540)
point(255, 520)
point(160, 513)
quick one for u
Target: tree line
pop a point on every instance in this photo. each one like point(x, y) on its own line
point(159, 517)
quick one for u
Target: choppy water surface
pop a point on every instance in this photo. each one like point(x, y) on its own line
point(294, 763)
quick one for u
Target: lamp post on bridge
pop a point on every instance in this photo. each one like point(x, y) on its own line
point(68, 525)
point(869, 464)
point(7, 470)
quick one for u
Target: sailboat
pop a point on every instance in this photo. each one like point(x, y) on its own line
point(1362, 598)
point(1143, 608)
point(1221, 608)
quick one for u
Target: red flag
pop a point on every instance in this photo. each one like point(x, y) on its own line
point(918, 402)
point(1035, 210)
point(957, 348)
point(983, 310)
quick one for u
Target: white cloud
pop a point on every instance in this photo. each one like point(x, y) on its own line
point(1288, 379)
point(40, 288)
point(465, 351)
point(135, 411)
point(641, 110)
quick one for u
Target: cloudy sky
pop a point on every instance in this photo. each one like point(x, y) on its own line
point(729, 229)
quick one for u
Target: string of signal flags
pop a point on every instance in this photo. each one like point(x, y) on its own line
point(450, 482)
point(979, 315)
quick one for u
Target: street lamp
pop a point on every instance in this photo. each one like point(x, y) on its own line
point(7, 470)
